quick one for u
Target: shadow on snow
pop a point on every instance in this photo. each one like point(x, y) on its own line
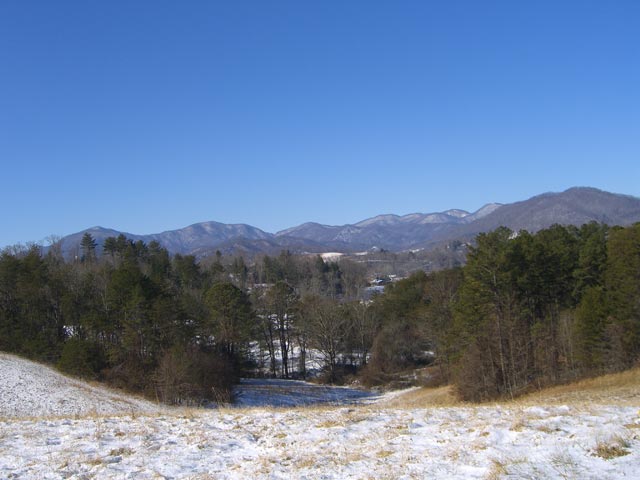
point(290, 393)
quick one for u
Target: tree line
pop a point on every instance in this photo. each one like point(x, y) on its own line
point(171, 327)
point(526, 311)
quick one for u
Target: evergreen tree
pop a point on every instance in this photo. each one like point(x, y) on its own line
point(88, 246)
point(490, 321)
point(590, 329)
point(111, 247)
point(230, 322)
point(623, 293)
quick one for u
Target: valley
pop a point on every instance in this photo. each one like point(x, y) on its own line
point(399, 435)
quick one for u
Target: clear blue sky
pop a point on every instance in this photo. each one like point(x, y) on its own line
point(150, 116)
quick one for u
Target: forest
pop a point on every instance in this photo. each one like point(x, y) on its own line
point(525, 311)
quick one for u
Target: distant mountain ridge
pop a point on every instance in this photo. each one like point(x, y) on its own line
point(392, 232)
point(188, 240)
point(574, 206)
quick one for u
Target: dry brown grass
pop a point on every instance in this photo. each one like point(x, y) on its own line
point(497, 470)
point(507, 468)
point(330, 424)
point(616, 388)
point(615, 447)
point(121, 451)
point(425, 397)
point(384, 453)
point(613, 389)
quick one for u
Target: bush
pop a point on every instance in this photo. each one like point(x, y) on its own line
point(81, 358)
point(398, 348)
point(190, 376)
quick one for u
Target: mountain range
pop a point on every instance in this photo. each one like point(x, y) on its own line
point(574, 206)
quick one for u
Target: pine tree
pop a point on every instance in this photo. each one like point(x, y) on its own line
point(230, 320)
point(623, 292)
point(88, 246)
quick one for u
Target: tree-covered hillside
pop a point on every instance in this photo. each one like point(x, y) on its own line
point(527, 310)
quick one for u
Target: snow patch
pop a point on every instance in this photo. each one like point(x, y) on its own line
point(331, 256)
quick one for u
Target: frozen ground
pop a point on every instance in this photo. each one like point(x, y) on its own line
point(328, 442)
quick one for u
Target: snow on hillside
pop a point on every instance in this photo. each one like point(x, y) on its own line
point(29, 389)
point(329, 442)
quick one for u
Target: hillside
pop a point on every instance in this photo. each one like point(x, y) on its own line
point(621, 389)
point(29, 389)
point(574, 206)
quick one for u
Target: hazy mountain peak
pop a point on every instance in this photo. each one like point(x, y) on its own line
point(387, 219)
point(303, 226)
point(455, 212)
point(483, 211)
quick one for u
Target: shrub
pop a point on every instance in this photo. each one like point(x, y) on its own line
point(81, 358)
point(190, 376)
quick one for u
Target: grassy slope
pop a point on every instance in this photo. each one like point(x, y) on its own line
point(612, 389)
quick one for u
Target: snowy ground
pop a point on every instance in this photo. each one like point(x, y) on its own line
point(361, 442)
point(29, 389)
point(355, 441)
point(291, 393)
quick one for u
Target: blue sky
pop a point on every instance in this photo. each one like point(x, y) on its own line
point(150, 116)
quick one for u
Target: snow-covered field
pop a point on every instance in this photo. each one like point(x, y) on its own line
point(354, 441)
